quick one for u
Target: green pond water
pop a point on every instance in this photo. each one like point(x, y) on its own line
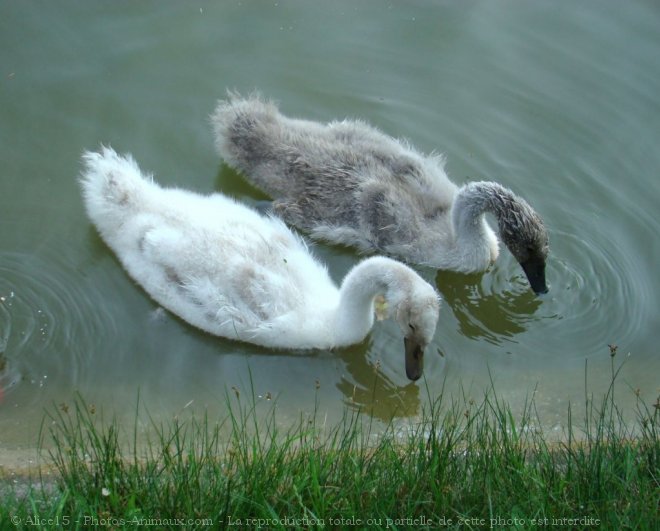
point(556, 100)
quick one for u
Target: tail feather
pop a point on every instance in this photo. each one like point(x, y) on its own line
point(244, 130)
point(111, 185)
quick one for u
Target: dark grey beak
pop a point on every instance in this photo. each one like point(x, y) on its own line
point(534, 269)
point(414, 358)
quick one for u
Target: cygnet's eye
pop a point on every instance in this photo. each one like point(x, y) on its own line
point(411, 327)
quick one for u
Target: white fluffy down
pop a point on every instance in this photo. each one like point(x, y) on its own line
point(232, 272)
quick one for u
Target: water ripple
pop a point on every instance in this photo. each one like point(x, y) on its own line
point(597, 298)
point(589, 304)
point(592, 283)
point(50, 325)
point(495, 306)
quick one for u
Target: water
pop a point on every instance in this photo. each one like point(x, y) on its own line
point(558, 102)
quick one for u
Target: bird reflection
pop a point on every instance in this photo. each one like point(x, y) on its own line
point(371, 391)
point(484, 313)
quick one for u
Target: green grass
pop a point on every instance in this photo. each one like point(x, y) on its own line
point(466, 465)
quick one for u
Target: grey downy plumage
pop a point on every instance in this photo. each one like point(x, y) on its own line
point(346, 182)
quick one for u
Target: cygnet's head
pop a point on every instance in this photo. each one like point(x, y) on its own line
point(417, 315)
point(524, 234)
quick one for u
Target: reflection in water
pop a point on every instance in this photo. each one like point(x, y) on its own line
point(483, 313)
point(230, 182)
point(371, 391)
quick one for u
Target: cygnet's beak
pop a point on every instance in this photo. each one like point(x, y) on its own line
point(534, 269)
point(414, 358)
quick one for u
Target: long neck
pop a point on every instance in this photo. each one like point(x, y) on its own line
point(472, 201)
point(355, 314)
point(470, 228)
